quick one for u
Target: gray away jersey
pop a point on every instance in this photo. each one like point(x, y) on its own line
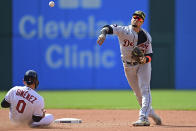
point(128, 39)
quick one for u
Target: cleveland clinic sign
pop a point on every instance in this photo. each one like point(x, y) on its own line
point(61, 42)
point(71, 56)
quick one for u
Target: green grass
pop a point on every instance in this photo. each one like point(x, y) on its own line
point(161, 99)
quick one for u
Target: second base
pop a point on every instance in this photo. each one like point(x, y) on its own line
point(68, 120)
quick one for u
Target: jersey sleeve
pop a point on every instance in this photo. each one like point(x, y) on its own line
point(9, 95)
point(149, 49)
point(39, 107)
point(117, 30)
point(148, 44)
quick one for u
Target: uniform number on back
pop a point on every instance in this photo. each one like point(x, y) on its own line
point(21, 106)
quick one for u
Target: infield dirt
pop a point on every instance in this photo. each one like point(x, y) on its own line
point(108, 120)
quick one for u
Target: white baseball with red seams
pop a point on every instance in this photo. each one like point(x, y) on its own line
point(51, 3)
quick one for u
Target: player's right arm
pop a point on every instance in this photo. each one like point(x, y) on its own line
point(109, 29)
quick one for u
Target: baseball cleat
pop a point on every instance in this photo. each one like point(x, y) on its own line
point(144, 122)
point(156, 119)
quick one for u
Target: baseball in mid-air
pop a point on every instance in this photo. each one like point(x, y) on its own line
point(51, 3)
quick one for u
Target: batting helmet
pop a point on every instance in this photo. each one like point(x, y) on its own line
point(31, 77)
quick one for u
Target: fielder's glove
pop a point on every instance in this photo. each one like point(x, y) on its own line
point(138, 55)
point(101, 39)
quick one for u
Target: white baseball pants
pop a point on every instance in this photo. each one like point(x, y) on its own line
point(138, 78)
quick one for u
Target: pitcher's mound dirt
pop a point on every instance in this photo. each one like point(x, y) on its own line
point(108, 120)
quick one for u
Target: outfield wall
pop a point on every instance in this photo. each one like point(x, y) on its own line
point(60, 43)
point(185, 44)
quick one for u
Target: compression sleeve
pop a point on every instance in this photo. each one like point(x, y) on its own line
point(5, 104)
point(36, 118)
point(107, 29)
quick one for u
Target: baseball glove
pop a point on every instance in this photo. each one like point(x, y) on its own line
point(138, 55)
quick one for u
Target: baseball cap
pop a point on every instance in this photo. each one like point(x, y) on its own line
point(140, 14)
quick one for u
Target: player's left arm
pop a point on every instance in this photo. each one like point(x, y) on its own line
point(144, 42)
point(148, 52)
point(148, 43)
point(5, 104)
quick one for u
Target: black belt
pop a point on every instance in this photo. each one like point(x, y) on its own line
point(131, 63)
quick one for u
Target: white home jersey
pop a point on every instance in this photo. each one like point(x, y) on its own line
point(25, 102)
point(128, 39)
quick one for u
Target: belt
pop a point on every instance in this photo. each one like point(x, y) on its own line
point(131, 63)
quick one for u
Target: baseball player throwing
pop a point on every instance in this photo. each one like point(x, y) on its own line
point(136, 54)
point(26, 105)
